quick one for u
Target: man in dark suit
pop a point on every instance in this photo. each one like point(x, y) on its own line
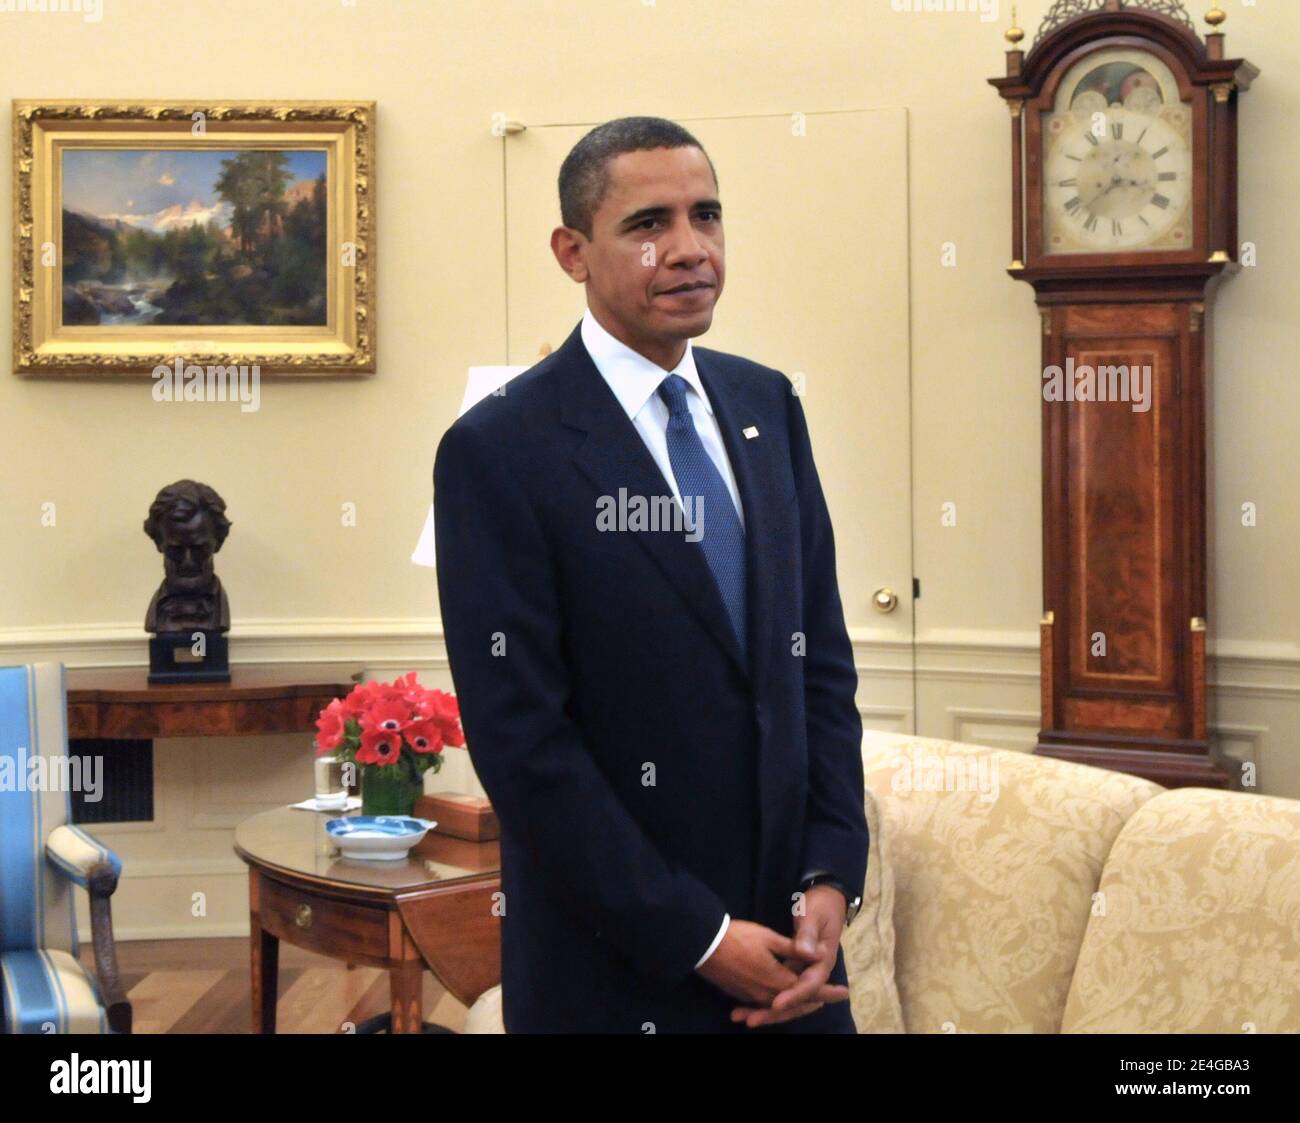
point(637, 581)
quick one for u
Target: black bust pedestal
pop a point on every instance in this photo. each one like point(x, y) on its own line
point(172, 658)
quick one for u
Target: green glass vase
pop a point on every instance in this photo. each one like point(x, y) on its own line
point(389, 789)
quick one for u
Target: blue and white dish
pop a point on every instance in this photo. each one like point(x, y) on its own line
point(378, 837)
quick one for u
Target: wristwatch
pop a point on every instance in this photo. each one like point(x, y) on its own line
point(854, 903)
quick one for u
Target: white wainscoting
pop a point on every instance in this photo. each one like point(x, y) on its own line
point(182, 877)
point(984, 687)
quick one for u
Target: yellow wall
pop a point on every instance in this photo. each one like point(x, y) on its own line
point(438, 71)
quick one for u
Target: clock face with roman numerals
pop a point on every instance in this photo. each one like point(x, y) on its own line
point(1117, 158)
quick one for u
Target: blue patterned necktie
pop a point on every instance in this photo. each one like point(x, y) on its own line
point(721, 535)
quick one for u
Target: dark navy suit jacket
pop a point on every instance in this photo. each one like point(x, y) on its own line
point(646, 777)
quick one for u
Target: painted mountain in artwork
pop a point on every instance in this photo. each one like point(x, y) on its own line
point(176, 217)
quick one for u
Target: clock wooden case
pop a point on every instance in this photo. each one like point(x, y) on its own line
point(1124, 217)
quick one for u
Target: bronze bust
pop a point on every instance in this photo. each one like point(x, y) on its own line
point(188, 524)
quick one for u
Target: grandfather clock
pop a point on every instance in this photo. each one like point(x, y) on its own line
point(1124, 217)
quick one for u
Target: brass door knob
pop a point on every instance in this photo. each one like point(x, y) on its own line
point(302, 916)
point(885, 599)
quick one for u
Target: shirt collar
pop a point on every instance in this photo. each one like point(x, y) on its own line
point(632, 376)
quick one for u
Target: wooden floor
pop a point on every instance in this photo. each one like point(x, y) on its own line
point(202, 986)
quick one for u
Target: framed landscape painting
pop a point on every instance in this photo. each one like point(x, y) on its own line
point(232, 233)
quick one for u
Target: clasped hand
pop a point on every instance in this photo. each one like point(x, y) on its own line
point(778, 978)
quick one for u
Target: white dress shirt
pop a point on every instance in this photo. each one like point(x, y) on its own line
point(635, 381)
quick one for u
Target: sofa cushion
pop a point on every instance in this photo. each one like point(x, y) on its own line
point(868, 942)
point(1197, 926)
point(995, 856)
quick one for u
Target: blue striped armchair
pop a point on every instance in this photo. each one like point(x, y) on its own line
point(42, 858)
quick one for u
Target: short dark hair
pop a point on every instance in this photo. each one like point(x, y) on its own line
point(584, 175)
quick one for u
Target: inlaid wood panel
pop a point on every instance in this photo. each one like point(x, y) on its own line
point(1121, 505)
point(1120, 467)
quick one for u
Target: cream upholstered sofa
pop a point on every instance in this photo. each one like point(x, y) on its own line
point(1013, 893)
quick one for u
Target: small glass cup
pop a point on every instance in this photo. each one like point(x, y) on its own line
point(331, 794)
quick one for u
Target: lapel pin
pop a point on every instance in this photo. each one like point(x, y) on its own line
point(751, 432)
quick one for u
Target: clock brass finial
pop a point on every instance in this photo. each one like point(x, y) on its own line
point(1215, 16)
point(1013, 34)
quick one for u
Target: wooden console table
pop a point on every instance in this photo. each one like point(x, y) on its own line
point(257, 700)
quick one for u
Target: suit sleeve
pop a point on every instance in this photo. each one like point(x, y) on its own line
point(502, 621)
point(835, 835)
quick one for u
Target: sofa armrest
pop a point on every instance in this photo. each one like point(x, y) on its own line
point(95, 868)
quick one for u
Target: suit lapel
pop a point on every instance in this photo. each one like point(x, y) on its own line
point(613, 456)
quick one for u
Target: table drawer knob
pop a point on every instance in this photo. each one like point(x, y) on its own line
point(302, 916)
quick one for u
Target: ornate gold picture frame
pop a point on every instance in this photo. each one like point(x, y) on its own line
point(219, 233)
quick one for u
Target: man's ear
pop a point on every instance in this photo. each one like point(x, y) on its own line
point(570, 249)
